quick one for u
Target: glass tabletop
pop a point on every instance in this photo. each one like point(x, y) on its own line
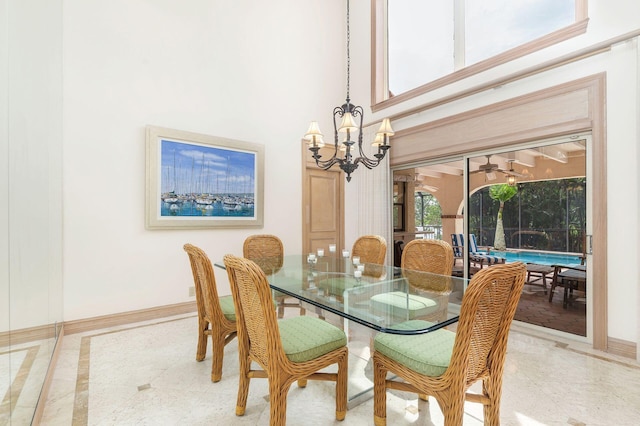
point(366, 299)
point(383, 298)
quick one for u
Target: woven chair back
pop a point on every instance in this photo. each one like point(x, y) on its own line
point(205, 284)
point(370, 249)
point(257, 325)
point(487, 310)
point(434, 256)
point(265, 250)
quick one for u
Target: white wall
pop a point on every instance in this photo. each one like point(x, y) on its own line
point(635, 190)
point(4, 173)
point(31, 165)
point(246, 70)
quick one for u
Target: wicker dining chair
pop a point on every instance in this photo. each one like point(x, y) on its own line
point(431, 300)
point(372, 250)
point(288, 350)
point(268, 252)
point(216, 315)
point(445, 364)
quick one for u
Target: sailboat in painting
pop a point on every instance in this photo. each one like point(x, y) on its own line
point(194, 174)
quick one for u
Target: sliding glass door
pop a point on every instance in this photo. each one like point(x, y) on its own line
point(526, 203)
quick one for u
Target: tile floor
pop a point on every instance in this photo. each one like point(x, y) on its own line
point(23, 366)
point(146, 374)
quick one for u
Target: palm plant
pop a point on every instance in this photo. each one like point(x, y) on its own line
point(502, 193)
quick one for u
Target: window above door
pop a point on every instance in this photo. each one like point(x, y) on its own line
point(420, 46)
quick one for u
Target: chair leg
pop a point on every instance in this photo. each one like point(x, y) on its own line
point(217, 347)
point(379, 393)
point(492, 388)
point(243, 385)
point(453, 410)
point(277, 402)
point(341, 387)
point(201, 350)
point(491, 415)
point(551, 290)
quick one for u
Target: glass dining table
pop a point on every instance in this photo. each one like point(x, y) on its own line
point(365, 299)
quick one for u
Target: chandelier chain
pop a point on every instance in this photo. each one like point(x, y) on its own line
point(348, 49)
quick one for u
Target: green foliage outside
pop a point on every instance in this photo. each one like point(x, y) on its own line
point(427, 210)
point(545, 215)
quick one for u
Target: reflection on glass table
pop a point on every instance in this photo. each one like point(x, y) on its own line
point(375, 296)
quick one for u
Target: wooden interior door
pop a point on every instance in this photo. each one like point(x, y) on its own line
point(322, 209)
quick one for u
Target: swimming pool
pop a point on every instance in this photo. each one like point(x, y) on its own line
point(541, 258)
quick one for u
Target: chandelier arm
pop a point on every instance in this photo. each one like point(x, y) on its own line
point(327, 164)
point(365, 163)
point(372, 162)
point(368, 162)
point(364, 159)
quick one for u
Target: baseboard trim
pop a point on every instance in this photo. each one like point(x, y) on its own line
point(622, 348)
point(26, 335)
point(106, 321)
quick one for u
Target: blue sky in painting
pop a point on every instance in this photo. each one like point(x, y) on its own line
point(193, 168)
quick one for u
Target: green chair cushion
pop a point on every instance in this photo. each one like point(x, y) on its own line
point(228, 309)
point(403, 305)
point(305, 338)
point(337, 285)
point(428, 354)
point(283, 281)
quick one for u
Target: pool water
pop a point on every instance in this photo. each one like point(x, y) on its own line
point(541, 258)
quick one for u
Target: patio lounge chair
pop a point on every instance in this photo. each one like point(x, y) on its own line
point(476, 256)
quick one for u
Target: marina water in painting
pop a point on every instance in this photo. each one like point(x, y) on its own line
point(201, 180)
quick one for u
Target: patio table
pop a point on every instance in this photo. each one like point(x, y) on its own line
point(538, 272)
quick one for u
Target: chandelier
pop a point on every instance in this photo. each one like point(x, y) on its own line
point(351, 117)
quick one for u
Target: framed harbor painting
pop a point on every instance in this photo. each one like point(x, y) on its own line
point(197, 181)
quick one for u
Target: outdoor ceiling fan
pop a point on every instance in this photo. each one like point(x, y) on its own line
point(489, 168)
point(418, 179)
